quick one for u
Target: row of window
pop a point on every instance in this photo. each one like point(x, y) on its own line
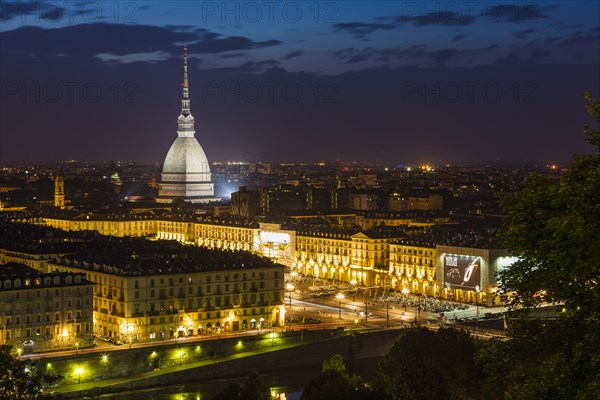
point(9, 335)
point(38, 281)
point(207, 279)
point(38, 318)
point(48, 293)
point(218, 301)
point(8, 305)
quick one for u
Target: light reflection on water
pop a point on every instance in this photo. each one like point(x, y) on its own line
point(287, 384)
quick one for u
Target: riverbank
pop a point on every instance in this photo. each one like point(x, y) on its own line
point(353, 346)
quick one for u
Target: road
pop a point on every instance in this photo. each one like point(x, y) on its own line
point(308, 306)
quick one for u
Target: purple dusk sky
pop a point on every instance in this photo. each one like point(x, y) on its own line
point(385, 82)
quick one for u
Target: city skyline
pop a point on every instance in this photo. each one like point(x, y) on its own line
point(444, 82)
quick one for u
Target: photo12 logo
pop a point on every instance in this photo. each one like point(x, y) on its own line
point(68, 92)
point(253, 12)
point(118, 12)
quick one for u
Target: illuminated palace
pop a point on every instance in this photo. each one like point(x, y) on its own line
point(186, 171)
point(44, 311)
point(161, 290)
point(142, 290)
point(408, 257)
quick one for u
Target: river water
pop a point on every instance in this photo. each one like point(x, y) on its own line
point(286, 384)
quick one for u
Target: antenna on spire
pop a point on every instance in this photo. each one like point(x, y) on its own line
point(185, 109)
point(185, 76)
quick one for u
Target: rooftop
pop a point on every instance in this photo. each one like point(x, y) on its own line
point(23, 277)
point(140, 257)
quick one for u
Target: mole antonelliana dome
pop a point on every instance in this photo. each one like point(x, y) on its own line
point(186, 171)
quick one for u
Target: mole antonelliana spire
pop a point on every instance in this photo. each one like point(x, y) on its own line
point(186, 172)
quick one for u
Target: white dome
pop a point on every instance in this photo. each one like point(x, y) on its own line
point(186, 156)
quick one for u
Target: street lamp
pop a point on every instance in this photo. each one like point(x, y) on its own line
point(290, 289)
point(340, 297)
point(79, 371)
point(353, 283)
point(477, 304)
point(76, 347)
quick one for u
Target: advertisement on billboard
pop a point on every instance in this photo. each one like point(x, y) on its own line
point(275, 244)
point(462, 272)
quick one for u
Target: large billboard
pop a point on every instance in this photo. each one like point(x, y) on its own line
point(462, 272)
point(275, 244)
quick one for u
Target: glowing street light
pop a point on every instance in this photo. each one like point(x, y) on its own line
point(290, 289)
point(340, 297)
point(79, 371)
point(477, 304)
point(353, 283)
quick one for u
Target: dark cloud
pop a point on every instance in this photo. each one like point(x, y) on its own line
point(581, 37)
point(293, 54)
point(418, 55)
point(215, 45)
point(232, 55)
point(551, 40)
point(522, 34)
point(120, 39)
point(444, 18)
point(353, 55)
point(94, 39)
point(440, 58)
point(258, 66)
point(360, 29)
point(458, 37)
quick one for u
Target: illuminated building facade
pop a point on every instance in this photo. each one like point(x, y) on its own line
point(413, 267)
point(147, 291)
point(186, 171)
point(403, 257)
point(59, 192)
point(469, 274)
point(344, 256)
point(42, 312)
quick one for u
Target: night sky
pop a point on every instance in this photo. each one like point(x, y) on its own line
point(384, 82)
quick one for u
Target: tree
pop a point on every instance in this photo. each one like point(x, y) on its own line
point(23, 379)
point(335, 383)
point(254, 389)
point(429, 365)
point(554, 229)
